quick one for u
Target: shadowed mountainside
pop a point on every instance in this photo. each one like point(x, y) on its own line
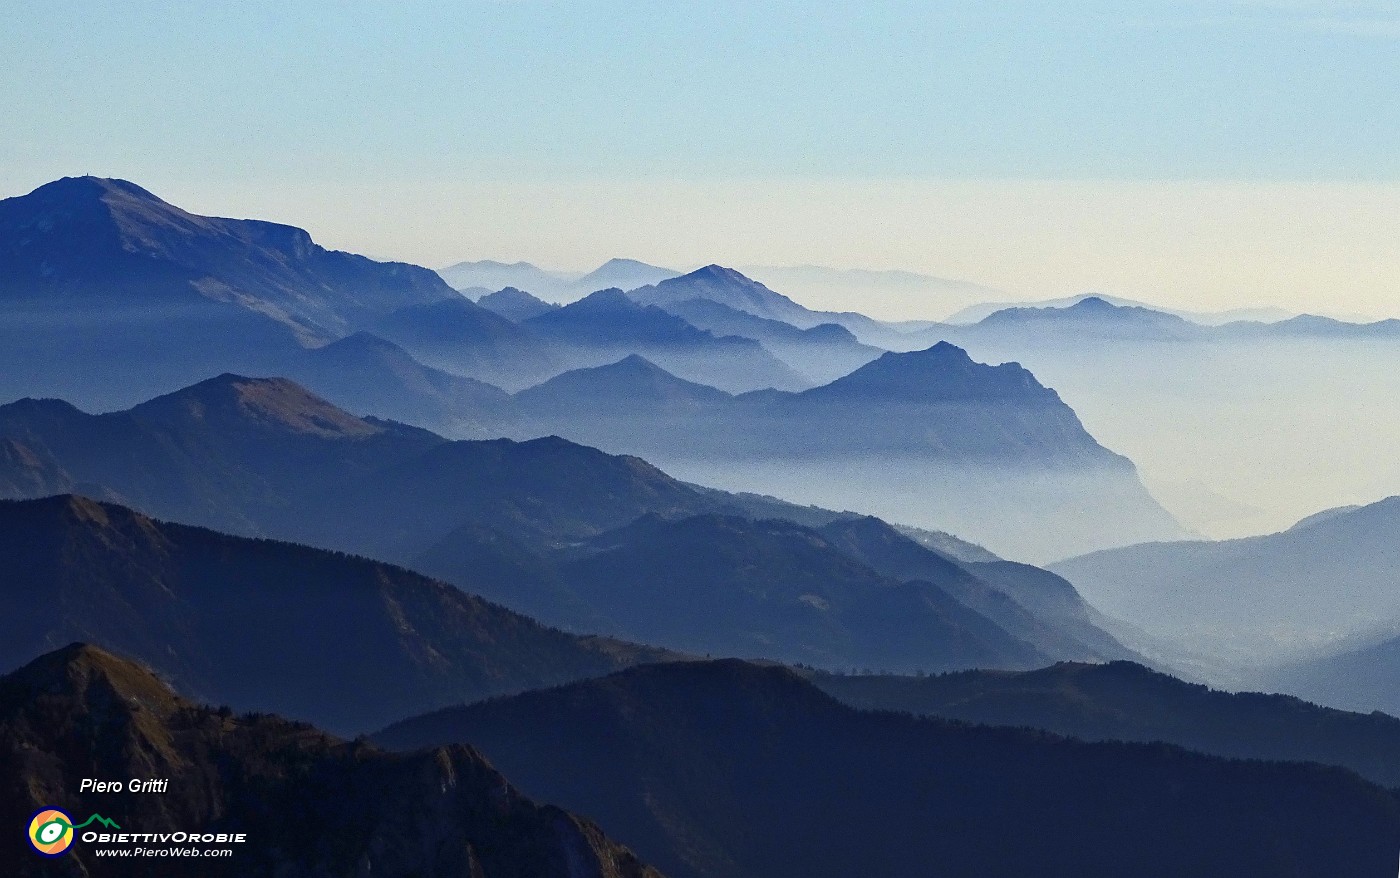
point(1123, 701)
point(341, 641)
point(929, 437)
point(530, 524)
point(309, 804)
point(728, 769)
point(1255, 599)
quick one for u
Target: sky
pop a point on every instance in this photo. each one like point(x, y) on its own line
point(1197, 153)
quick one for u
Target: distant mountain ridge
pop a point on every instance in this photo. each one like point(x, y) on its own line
point(975, 313)
point(1000, 439)
point(728, 287)
point(514, 304)
point(607, 325)
point(1259, 598)
point(554, 286)
point(822, 353)
point(1120, 319)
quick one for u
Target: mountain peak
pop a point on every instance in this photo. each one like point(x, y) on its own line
point(638, 363)
point(610, 298)
point(634, 379)
point(267, 402)
point(941, 373)
point(628, 274)
point(727, 287)
point(515, 304)
point(715, 271)
point(85, 187)
point(1094, 303)
point(90, 677)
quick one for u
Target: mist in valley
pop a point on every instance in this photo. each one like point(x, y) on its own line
point(1235, 437)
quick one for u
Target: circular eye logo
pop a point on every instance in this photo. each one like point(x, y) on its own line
point(51, 832)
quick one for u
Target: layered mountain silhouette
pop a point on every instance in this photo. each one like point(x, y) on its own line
point(112, 296)
point(1357, 674)
point(1032, 604)
point(607, 325)
point(514, 304)
point(626, 274)
point(308, 804)
point(1237, 427)
point(822, 353)
point(344, 642)
point(725, 286)
point(556, 286)
point(468, 339)
point(548, 527)
point(718, 769)
point(771, 589)
point(929, 437)
point(109, 293)
point(376, 376)
point(974, 313)
point(1091, 317)
point(1257, 598)
point(1124, 701)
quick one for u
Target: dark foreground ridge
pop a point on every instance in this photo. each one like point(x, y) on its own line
point(309, 804)
point(727, 768)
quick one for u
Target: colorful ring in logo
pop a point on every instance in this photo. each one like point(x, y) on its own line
point(51, 832)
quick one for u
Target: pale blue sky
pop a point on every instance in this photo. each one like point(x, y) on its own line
point(301, 110)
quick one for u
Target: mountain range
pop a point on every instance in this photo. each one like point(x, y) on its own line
point(1003, 450)
point(901, 297)
point(725, 769)
point(517, 305)
point(1268, 314)
point(1239, 428)
point(821, 353)
point(224, 618)
point(1359, 673)
point(608, 325)
point(307, 803)
point(556, 286)
point(1125, 701)
point(564, 532)
point(396, 341)
point(1257, 599)
point(716, 283)
point(109, 292)
point(1110, 319)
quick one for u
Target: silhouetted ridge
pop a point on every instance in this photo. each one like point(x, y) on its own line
point(225, 617)
point(87, 187)
point(1125, 701)
point(515, 304)
point(727, 769)
point(943, 372)
point(274, 403)
point(308, 803)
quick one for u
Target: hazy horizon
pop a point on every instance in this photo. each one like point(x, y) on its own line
point(1198, 154)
